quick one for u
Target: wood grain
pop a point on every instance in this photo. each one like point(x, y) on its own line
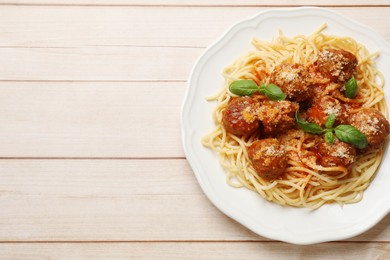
point(91, 161)
point(108, 200)
point(89, 119)
point(147, 52)
point(205, 3)
point(116, 200)
point(51, 26)
point(97, 63)
point(183, 250)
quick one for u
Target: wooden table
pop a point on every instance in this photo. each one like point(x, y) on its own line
point(92, 164)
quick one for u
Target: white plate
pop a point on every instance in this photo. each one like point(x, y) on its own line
point(293, 225)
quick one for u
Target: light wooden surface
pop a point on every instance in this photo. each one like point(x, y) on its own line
point(91, 162)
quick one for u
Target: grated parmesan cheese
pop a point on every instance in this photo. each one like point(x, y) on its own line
point(288, 75)
point(332, 109)
point(330, 106)
point(249, 114)
point(341, 152)
point(370, 126)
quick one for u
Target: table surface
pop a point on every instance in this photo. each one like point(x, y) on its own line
point(91, 160)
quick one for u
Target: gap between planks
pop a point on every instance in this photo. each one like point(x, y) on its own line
point(95, 81)
point(93, 158)
point(179, 241)
point(192, 5)
point(104, 45)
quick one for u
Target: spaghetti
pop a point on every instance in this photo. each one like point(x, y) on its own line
point(304, 182)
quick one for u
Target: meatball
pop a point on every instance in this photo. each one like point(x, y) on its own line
point(372, 124)
point(323, 108)
point(268, 158)
point(337, 154)
point(293, 80)
point(277, 116)
point(336, 65)
point(239, 118)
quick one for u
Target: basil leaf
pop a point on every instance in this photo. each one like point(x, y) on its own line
point(243, 87)
point(329, 137)
point(306, 126)
point(349, 134)
point(272, 92)
point(351, 88)
point(330, 121)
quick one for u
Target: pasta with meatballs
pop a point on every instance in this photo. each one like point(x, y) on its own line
point(302, 121)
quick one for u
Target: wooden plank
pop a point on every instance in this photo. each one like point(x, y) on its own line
point(183, 250)
point(174, 26)
point(97, 63)
point(50, 49)
point(89, 119)
point(51, 26)
point(105, 200)
point(198, 2)
point(116, 200)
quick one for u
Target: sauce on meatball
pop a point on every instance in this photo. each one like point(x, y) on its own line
point(336, 65)
point(336, 154)
point(268, 158)
point(240, 116)
point(323, 108)
point(372, 124)
point(277, 116)
point(293, 80)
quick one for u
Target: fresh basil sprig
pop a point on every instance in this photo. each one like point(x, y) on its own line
point(243, 87)
point(329, 137)
point(272, 92)
point(349, 134)
point(351, 88)
point(330, 121)
point(306, 126)
point(249, 87)
point(345, 133)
